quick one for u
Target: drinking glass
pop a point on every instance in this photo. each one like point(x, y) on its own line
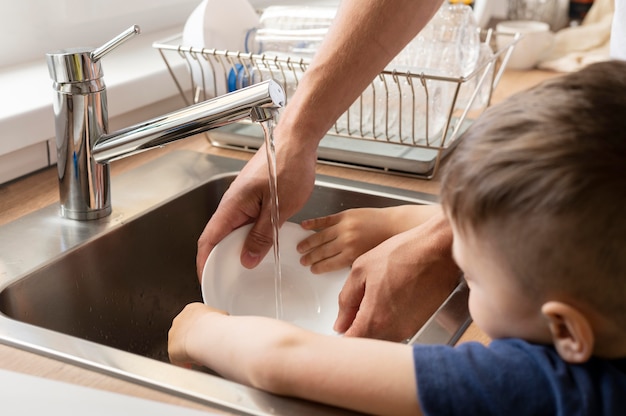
point(552, 12)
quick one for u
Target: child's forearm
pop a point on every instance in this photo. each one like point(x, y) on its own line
point(404, 217)
point(248, 349)
point(360, 374)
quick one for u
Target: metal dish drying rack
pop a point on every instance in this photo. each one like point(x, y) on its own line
point(360, 138)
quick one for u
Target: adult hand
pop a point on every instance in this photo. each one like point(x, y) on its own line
point(248, 200)
point(364, 35)
point(394, 288)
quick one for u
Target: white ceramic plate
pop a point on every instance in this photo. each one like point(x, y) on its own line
point(309, 300)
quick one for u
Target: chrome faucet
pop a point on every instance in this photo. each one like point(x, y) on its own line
point(84, 145)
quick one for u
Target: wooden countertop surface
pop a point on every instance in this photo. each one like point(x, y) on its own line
point(40, 189)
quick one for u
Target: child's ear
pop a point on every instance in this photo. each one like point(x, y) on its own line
point(571, 331)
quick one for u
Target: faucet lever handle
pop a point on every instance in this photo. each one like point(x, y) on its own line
point(98, 53)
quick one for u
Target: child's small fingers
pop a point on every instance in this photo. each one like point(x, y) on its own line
point(315, 240)
point(306, 260)
point(320, 253)
point(330, 264)
point(320, 222)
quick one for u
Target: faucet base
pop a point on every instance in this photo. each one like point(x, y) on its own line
point(84, 215)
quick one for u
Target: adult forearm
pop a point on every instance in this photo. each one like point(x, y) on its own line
point(363, 39)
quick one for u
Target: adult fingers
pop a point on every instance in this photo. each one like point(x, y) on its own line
point(349, 301)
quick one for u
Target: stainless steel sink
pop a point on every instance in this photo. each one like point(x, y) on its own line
point(102, 294)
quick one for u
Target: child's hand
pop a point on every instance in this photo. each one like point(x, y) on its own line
point(186, 327)
point(342, 237)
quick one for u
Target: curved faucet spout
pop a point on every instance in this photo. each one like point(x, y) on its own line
point(84, 146)
point(188, 121)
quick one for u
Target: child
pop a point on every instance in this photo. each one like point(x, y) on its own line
point(535, 194)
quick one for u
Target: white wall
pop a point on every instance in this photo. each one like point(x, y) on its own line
point(30, 28)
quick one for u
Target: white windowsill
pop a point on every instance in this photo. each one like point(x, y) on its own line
point(135, 76)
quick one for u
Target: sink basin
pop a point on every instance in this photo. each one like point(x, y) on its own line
point(102, 294)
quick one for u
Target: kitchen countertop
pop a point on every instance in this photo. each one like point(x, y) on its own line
point(40, 189)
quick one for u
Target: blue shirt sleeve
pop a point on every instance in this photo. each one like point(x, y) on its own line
point(515, 377)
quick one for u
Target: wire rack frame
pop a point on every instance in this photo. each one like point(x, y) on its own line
point(379, 114)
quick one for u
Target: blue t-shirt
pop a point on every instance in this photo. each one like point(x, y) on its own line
point(514, 377)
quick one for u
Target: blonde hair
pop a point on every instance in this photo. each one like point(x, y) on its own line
point(542, 177)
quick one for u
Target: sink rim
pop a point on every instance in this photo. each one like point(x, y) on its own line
point(186, 170)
